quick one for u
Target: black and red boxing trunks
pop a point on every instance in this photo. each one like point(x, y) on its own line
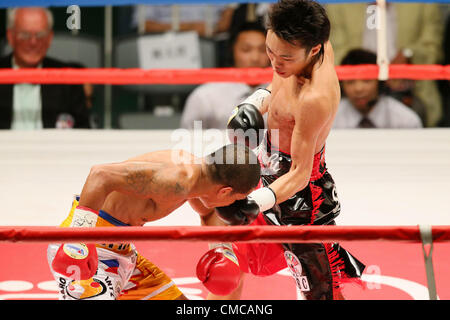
point(318, 268)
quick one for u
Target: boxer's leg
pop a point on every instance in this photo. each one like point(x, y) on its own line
point(310, 266)
point(320, 268)
point(148, 282)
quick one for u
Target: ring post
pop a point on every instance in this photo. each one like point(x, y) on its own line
point(427, 239)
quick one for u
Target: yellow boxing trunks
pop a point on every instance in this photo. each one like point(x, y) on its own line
point(122, 273)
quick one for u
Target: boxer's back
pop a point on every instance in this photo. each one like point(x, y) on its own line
point(175, 180)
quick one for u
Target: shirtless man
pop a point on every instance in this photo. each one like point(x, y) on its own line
point(133, 192)
point(301, 104)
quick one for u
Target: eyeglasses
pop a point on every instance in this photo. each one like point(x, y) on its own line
point(26, 36)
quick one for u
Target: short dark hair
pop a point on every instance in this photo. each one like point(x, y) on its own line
point(246, 26)
point(300, 22)
point(359, 56)
point(235, 32)
point(362, 56)
point(234, 165)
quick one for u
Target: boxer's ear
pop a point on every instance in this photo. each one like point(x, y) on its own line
point(315, 50)
point(225, 191)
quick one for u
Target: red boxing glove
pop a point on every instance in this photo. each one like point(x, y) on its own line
point(77, 261)
point(219, 270)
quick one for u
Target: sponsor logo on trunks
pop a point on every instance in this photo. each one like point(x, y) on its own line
point(271, 164)
point(112, 264)
point(85, 289)
point(295, 267)
point(61, 286)
point(90, 288)
point(76, 251)
point(84, 220)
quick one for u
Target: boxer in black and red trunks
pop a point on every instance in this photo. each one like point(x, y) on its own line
point(318, 268)
point(301, 103)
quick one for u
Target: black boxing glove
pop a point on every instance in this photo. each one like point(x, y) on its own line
point(240, 212)
point(246, 121)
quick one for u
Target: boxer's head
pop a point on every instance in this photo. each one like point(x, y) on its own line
point(234, 171)
point(29, 34)
point(297, 32)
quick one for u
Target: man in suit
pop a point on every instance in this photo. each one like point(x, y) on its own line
point(414, 35)
point(364, 104)
point(26, 106)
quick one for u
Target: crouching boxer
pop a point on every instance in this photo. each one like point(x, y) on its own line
point(131, 193)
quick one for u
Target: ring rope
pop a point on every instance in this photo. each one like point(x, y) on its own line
point(115, 76)
point(287, 234)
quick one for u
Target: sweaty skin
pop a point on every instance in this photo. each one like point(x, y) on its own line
point(302, 108)
point(151, 186)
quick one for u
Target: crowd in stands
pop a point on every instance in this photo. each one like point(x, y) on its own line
point(418, 34)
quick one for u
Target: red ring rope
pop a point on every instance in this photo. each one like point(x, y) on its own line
point(228, 234)
point(198, 76)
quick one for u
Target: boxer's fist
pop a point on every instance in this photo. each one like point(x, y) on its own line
point(240, 212)
point(245, 124)
point(219, 271)
point(77, 261)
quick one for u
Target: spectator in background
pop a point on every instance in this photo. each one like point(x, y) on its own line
point(206, 20)
point(414, 35)
point(364, 105)
point(248, 12)
point(27, 106)
point(212, 103)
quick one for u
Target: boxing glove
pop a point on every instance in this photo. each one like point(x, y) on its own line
point(246, 123)
point(240, 212)
point(77, 261)
point(245, 211)
point(265, 198)
point(219, 271)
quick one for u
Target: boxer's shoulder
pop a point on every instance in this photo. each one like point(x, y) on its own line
point(314, 100)
point(164, 156)
point(177, 179)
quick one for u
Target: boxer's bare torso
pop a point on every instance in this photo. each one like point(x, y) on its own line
point(301, 109)
point(151, 186)
point(293, 100)
point(168, 183)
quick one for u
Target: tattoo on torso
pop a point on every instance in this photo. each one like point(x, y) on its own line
point(146, 182)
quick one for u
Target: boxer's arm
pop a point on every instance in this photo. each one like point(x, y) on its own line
point(136, 178)
point(308, 124)
point(309, 120)
point(208, 216)
point(265, 105)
